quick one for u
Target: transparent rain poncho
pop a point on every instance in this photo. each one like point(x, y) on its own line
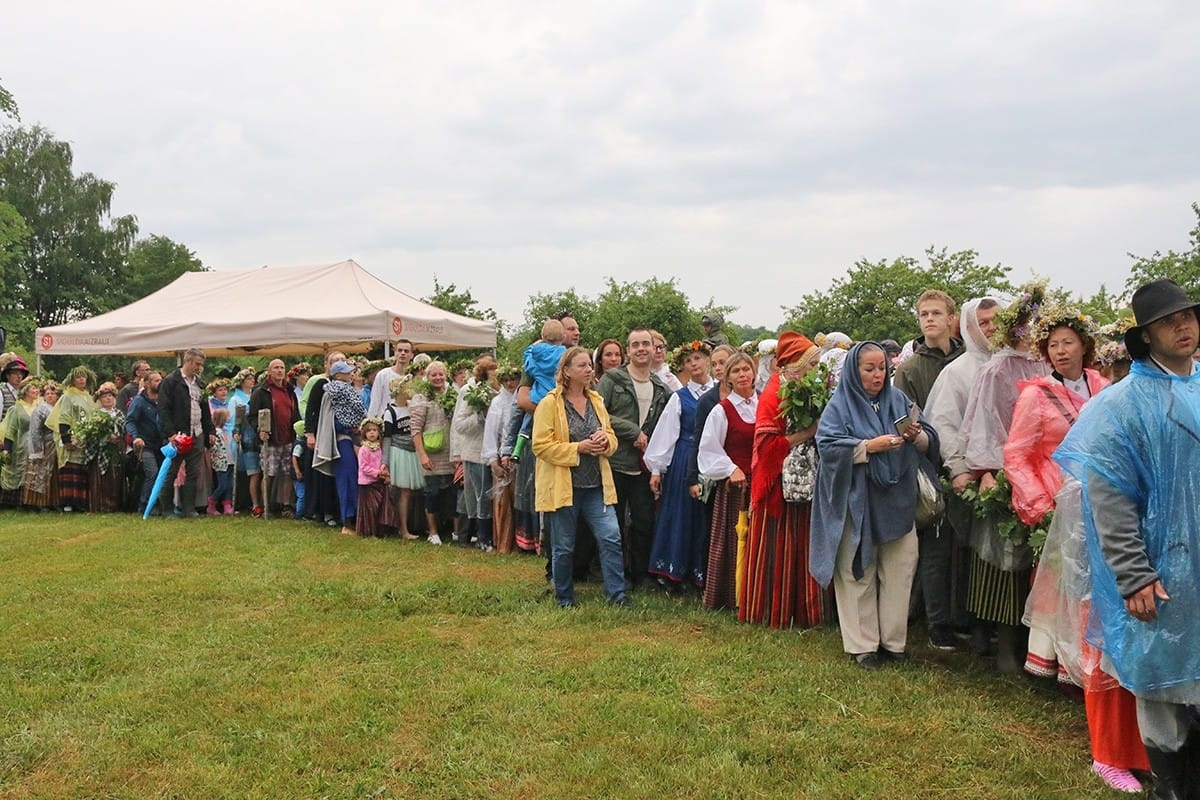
point(1138, 442)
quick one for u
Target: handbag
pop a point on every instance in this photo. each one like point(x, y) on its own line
point(800, 472)
point(931, 502)
point(434, 440)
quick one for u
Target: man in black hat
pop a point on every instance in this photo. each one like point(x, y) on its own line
point(1136, 450)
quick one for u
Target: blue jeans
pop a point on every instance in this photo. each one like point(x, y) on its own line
point(602, 519)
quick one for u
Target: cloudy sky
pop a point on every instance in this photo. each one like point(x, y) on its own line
point(753, 150)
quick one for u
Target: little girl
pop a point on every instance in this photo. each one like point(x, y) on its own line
point(374, 509)
point(405, 466)
point(222, 464)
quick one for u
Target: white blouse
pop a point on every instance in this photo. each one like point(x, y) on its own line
point(711, 459)
point(661, 447)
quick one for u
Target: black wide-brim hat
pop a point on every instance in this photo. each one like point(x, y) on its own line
point(1151, 302)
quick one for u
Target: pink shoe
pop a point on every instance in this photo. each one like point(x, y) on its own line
point(1120, 779)
point(227, 508)
point(212, 509)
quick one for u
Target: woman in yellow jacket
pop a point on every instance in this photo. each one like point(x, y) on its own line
point(572, 439)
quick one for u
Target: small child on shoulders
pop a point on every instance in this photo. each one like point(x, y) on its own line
point(540, 363)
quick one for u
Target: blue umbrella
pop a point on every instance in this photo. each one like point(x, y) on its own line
point(169, 451)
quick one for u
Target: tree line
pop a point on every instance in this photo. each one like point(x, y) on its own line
point(64, 256)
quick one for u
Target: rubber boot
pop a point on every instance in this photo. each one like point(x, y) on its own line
point(227, 508)
point(1170, 774)
point(1011, 646)
point(212, 509)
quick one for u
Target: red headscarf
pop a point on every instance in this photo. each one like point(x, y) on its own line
point(770, 431)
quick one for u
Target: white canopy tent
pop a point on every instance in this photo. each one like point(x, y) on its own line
point(268, 311)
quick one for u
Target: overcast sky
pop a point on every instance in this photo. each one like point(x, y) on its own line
point(753, 150)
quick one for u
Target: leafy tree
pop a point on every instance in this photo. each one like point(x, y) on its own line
point(75, 249)
point(151, 264)
point(1183, 268)
point(451, 298)
point(8, 106)
point(876, 300)
point(541, 307)
point(651, 303)
point(13, 234)
point(1102, 306)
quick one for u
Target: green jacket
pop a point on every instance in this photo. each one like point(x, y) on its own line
point(915, 376)
point(616, 389)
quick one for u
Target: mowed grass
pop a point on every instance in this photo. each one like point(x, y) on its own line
point(239, 658)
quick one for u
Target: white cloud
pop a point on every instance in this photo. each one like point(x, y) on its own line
point(751, 149)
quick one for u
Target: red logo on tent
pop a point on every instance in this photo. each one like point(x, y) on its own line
point(397, 326)
point(47, 341)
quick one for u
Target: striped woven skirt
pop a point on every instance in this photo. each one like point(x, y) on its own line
point(780, 592)
point(720, 574)
point(994, 595)
point(73, 486)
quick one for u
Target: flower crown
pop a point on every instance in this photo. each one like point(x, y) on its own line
point(400, 386)
point(684, 350)
point(1052, 315)
point(1015, 321)
point(242, 374)
point(1110, 353)
point(376, 421)
point(217, 383)
point(507, 370)
point(1116, 330)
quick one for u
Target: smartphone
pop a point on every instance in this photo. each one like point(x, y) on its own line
point(903, 424)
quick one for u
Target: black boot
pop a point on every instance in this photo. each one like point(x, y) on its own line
point(1170, 774)
point(1012, 644)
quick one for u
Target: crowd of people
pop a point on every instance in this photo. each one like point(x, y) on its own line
point(1017, 477)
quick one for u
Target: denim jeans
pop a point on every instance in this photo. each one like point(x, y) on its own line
point(151, 461)
point(602, 519)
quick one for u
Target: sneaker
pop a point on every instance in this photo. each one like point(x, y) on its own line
point(1120, 779)
point(258, 511)
point(941, 638)
point(435, 539)
point(487, 548)
point(621, 602)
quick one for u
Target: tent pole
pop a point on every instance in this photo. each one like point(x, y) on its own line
point(387, 349)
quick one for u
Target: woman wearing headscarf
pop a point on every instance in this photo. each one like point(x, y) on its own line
point(725, 457)
point(779, 590)
point(999, 568)
point(14, 436)
point(864, 537)
point(72, 407)
point(677, 555)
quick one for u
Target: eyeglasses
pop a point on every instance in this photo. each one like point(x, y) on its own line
point(660, 347)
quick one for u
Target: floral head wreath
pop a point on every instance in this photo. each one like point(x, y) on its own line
point(1016, 321)
point(299, 369)
point(374, 366)
point(402, 386)
point(376, 421)
point(1110, 353)
point(420, 361)
point(53, 385)
point(507, 371)
point(81, 370)
point(217, 383)
point(1052, 315)
point(686, 349)
point(108, 387)
point(247, 372)
point(1116, 330)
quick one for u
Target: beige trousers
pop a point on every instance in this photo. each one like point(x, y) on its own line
point(873, 611)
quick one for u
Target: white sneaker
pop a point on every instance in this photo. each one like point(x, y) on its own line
point(435, 539)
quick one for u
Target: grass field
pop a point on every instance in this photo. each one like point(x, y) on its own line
point(222, 658)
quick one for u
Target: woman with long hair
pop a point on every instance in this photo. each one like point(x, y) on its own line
point(572, 439)
point(609, 354)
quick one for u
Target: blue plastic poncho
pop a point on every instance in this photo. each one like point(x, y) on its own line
point(880, 496)
point(1142, 437)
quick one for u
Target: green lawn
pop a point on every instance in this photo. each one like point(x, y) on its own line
point(223, 658)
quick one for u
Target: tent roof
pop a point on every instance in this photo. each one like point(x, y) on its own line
point(267, 311)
